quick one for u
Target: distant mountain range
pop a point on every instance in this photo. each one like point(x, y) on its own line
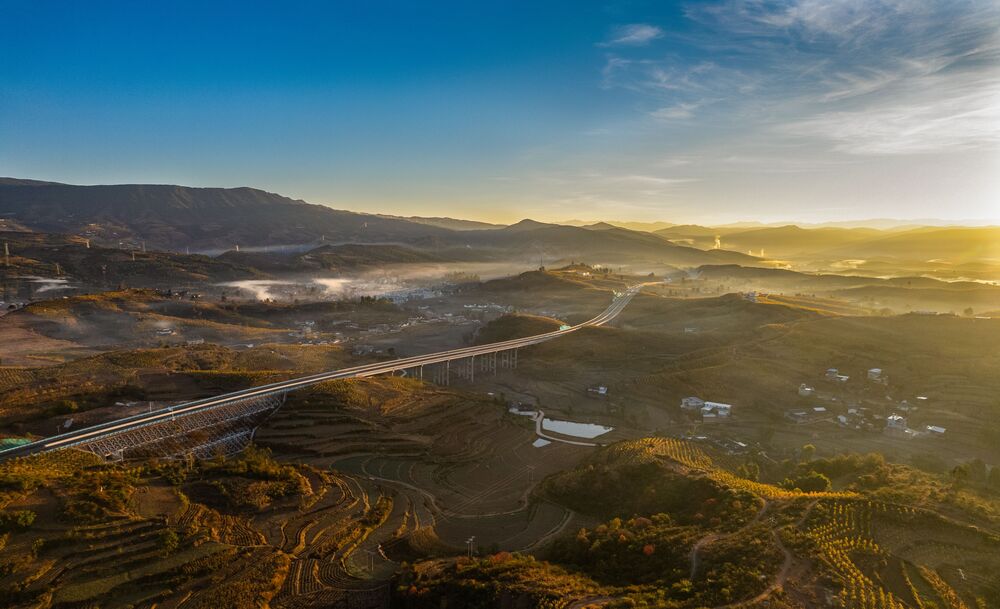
point(450, 223)
point(174, 218)
point(955, 244)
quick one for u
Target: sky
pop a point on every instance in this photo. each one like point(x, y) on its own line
point(707, 112)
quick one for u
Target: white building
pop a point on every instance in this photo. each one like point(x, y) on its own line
point(934, 430)
point(875, 374)
point(806, 391)
point(895, 421)
point(832, 374)
point(692, 403)
point(714, 411)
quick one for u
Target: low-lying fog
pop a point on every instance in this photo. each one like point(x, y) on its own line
point(397, 281)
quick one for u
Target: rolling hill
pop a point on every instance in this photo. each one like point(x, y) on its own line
point(167, 217)
point(600, 244)
point(174, 217)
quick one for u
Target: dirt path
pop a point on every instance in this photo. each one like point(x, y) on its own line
point(712, 537)
point(786, 566)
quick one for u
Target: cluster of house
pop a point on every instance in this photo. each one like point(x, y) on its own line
point(897, 426)
point(874, 375)
point(710, 412)
point(861, 418)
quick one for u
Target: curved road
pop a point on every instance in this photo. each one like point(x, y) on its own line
point(86, 434)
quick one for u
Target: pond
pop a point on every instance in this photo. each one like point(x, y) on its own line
point(572, 428)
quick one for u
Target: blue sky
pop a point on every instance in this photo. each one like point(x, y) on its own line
point(714, 111)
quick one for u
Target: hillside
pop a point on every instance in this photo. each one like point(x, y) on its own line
point(444, 222)
point(343, 257)
point(174, 217)
point(955, 244)
point(55, 256)
point(676, 527)
point(603, 243)
point(170, 217)
point(907, 293)
point(510, 327)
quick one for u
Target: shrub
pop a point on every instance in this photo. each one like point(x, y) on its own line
point(17, 520)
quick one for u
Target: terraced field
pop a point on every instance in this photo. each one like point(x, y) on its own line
point(175, 540)
point(456, 465)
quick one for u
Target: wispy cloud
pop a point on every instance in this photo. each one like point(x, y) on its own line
point(964, 120)
point(858, 76)
point(676, 112)
point(659, 181)
point(633, 34)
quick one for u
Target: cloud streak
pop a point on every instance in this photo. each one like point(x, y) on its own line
point(634, 34)
point(863, 77)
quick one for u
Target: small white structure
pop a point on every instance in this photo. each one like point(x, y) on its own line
point(819, 410)
point(715, 411)
point(806, 391)
point(874, 374)
point(598, 390)
point(934, 430)
point(895, 421)
point(832, 374)
point(692, 403)
point(842, 419)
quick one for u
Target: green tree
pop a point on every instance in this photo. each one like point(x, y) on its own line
point(16, 520)
point(811, 482)
point(168, 541)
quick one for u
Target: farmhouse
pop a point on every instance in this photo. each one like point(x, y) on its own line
point(692, 403)
point(714, 411)
point(832, 374)
point(895, 421)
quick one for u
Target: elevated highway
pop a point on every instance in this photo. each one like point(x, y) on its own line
point(162, 428)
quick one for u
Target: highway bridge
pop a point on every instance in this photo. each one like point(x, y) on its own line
point(226, 422)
